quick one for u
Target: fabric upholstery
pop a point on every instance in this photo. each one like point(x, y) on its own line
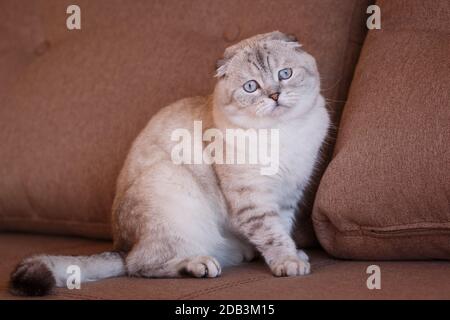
point(386, 193)
point(73, 101)
point(330, 278)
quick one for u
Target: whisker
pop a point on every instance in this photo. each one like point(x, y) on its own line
point(332, 86)
point(335, 100)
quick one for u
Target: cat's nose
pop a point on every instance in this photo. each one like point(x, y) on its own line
point(274, 96)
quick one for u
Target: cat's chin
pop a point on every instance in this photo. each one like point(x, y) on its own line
point(253, 121)
point(268, 120)
point(275, 112)
point(279, 110)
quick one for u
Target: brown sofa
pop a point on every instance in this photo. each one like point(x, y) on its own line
point(71, 103)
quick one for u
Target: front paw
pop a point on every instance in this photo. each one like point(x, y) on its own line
point(302, 255)
point(291, 266)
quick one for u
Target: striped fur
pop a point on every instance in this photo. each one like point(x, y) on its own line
point(191, 220)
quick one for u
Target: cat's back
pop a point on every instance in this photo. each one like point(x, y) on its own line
point(178, 115)
point(154, 143)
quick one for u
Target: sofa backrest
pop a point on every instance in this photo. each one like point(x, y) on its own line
point(73, 101)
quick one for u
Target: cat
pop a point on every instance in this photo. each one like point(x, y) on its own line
point(173, 220)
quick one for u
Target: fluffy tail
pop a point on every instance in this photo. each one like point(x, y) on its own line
point(38, 275)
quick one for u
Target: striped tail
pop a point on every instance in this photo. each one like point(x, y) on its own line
point(38, 275)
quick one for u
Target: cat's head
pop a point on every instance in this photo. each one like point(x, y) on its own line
point(265, 79)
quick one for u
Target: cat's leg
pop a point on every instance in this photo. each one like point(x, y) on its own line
point(176, 225)
point(302, 255)
point(170, 248)
point(287, 215)
point(265, 229)
point(141, 265)
point(200, 267)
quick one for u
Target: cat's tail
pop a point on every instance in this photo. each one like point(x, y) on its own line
point(38, 275)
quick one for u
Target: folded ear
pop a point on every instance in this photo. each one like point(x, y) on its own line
point(230, 52)
point(277, 35)
point(221, 67)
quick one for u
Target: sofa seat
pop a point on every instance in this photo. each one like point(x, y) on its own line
point(331, 278)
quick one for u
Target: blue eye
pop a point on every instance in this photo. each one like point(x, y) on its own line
point(251, 86)
point(285, 74)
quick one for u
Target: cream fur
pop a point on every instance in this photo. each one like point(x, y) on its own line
point(170, 220)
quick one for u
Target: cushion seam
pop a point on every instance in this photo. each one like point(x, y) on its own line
point(406, 226)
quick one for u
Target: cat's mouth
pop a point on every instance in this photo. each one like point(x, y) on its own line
point(279, 109)
point(272, 110)
point(279, 105)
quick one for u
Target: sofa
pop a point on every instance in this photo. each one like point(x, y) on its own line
point(72, 101)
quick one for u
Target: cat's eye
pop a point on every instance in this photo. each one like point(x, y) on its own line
point(251, 86)
point(285, 74)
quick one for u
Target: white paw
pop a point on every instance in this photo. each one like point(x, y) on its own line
point(203, 267)
point(302, 255)
point(291, 266)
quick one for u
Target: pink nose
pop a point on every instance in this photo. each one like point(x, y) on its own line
point(274, 96)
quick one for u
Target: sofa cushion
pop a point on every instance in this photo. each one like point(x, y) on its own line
point(385, 194)
point(330, 278)
point(73, 101)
